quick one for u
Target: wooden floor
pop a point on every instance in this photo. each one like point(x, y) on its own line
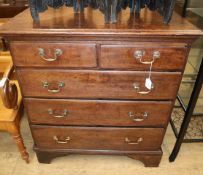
point(189, 161)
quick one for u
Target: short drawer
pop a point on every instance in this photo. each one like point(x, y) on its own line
point(138, 57)
point(99, 138)
point(50, 54)
point(97, 84)
point(98, 112)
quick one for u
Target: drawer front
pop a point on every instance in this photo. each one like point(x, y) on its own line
point(50, 54)
point(138, 57)
point(97, 84)
point(97, 138)
point(98, 112)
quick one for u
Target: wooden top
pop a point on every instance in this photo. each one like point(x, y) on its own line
point(63, 22)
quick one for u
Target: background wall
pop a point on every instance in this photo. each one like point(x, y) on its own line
point(192, 3)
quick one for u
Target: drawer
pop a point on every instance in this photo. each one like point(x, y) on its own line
point(50, 54)
point(98, 112)
point(97, 84)
point(99, 138)
point(137, 57)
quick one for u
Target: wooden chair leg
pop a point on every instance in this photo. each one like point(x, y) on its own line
point(19, 142)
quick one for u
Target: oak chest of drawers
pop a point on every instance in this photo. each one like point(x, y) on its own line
point(84, 82)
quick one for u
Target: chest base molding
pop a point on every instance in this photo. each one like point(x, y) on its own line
point(148, 158)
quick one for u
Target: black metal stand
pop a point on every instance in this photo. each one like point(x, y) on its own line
point(188, 113)
point(184, 13)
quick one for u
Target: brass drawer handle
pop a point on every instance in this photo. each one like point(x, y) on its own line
point(139, 54)
point(52, 112)
point(136, 86)
point(66, 140)
point(138, 119)
point(60, 86)
point(139, 140)
point(57, 53)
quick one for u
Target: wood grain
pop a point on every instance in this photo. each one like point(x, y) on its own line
point(122, 56)
point(64, 23)
point(97, 84)
point(26, 54)
point(97, 138)
point(148, 158)
point(98, 112)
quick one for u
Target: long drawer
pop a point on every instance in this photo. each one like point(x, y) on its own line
point(51, 54)
point(139, 56)
point(99, 138)
point(97, 84)
point(98, 112)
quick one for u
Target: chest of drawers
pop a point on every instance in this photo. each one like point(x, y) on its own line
point(83, 82)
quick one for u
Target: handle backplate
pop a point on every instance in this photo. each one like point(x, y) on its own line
point(42, 54)
point(59, 84)
point(63, 114)
point(139, 54)
point(65, 141)
point(138, 141)
point(138, 118)
point(136, 86)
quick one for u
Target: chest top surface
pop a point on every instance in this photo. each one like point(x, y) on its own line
point(63, 22)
